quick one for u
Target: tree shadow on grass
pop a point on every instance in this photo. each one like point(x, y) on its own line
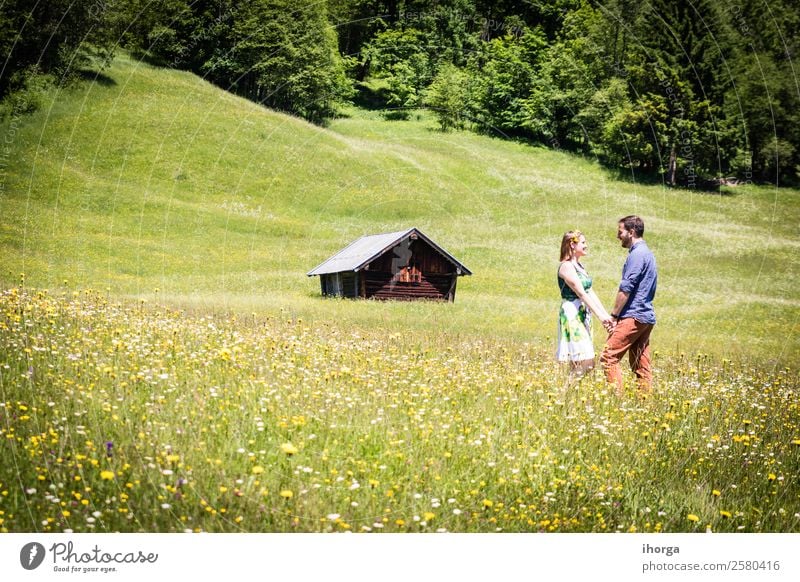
point(149, 58)
point(370, 98)
point(698, 185)
point(96, 77)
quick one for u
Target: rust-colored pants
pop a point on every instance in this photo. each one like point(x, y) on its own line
point(633, 337)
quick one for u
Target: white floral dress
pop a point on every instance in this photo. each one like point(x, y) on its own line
point(574, 322)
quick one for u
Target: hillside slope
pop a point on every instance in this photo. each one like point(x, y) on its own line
point(152, 179)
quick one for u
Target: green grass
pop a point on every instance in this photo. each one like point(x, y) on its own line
point(161, 180)
point(194, 216)
point(138, 418)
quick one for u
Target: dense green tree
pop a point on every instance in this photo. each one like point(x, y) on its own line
point(284, 55)
point(505, 72)
point(403, 59)
point(602, 120)
point(158, 28)
point(276, 52)
point(57, 37)
point(563, 87)
point(503, 17)
point(356, 22)
point(449, 96)
point(682, 90)
point(762, 94)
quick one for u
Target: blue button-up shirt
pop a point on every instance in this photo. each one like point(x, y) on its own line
point(639, 278)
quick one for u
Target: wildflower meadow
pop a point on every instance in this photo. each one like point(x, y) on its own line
point(167, 366)
point(139, 417)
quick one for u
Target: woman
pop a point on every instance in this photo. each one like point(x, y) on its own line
point(578, 302)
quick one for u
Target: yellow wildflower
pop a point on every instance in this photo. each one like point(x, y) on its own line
point(289, 448)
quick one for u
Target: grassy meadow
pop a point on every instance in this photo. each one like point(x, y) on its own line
point(166, 365)
point(130, 418)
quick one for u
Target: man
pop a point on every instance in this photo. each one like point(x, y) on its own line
point(632, 316)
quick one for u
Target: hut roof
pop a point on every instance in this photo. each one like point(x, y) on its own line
point(363, 250)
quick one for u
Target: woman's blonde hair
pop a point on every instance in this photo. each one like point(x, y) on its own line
point(570, 237)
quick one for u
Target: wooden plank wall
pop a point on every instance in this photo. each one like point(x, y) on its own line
point(423, 257)
point(382, 286)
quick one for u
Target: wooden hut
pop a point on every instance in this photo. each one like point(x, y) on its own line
point(395, 265)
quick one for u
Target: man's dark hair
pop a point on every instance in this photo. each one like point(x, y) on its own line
point(633, 223)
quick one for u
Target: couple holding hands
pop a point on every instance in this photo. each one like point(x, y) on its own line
point(631, 319)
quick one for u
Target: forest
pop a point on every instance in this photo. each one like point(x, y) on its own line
point(689, 93)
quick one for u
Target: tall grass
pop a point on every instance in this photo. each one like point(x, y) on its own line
point(137, 417)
